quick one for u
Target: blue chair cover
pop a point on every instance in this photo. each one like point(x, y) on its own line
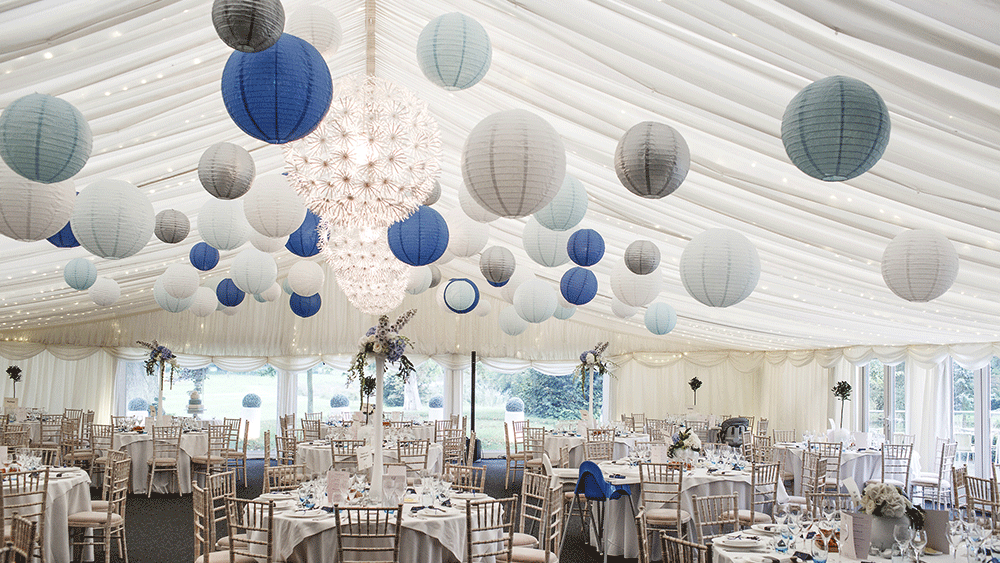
point(593, 485)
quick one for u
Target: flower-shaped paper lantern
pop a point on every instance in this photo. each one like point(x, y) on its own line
point(419, 239)
point(484, 308)
point(535, 301)
point(266, 244)
point(228, 294)
point(180, 281)
point(472, 209)
point(112, 219)
point(279, 94)
point(919, 265)
point(80, 273)
point(454, 51)
point(32, 211)
point(168, 302)
point(497, 265)
point(419, 280)
point(273, 208)
point(203, 256)
point(635, 290)
point(248, 26)
point(585, 247)
point(465, 236)
point(64, 238)
point(171, 226)
point(835, 128)
point(513, 163)
point(546, 247)
point(652, 160)
point(223, 225)
point(719, 268)
point(306, 277)
point(435, 194)
point(578, 286)
point(621, 310)
point(562, 313)
point(567, 209)
point(435, 275)
point(318, 26)
point(642, 257)
point(253, 271)
point(304, 241)
point(44, 139)
point(272, 293)
point(460, 295)
point(226, 170)
point(511, 323)
point(204, 302)
point(104, 292)
point(660, 318)
point(373, 280)
point(305, 306)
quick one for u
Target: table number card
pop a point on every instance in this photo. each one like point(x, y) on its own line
point(9, 404)
point(338, 483)
point(856, 534)
point(659, 453)
point(365, 454)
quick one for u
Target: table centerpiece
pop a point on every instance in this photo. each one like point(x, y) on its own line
point(159, 358)
point(889, 508)
point(686, 446)
point(593, 361)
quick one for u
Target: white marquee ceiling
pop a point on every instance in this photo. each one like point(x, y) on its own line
point(146, 75)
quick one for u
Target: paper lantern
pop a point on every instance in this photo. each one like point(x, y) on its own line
point(460, 295)
point(280, 94)
point(719, 268)
point(168, 302)
point(64, 238)
point(535, 301)
point(305, 307)
point(546, 247)
point(472, 209)
point(180, 280)
point(420, 280)
point(635, 290)
point(104, 292)
point(285, 287)
point(253, 271)
point(80, 273)
point(171, 226)
point(585, 247)
point(435, 275)
point(272, 293)
point(484, 308)
point(519, 277)
point(32, 211)
point(660, 318)
point(578, 286)
point(304, 241)
point(44, 139)
point(564, 313)
point(435, 194)
point(835, 128)
point(273, 208)
point(266, 244)
point(919, 265)
point(226, 170)
point(204, 302)
point(248, 26)
point(497, 265)
point(318, 26)
point(454, 51)
point(511, 323)
point(419, 239)
point(652, 159)
point(567, 209)
point(446, 257)
point(513, 163)
point(306, 278)
point(228, 294)
point(203, 256)
point(621, 310)
point(642, 257)
point(465, 236)
point(259, 298)
point(228, 311)
point(113, 219)
point(223, 225)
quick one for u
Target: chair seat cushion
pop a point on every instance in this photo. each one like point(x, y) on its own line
point(92, 519)
point(660, 516)
point(162, 461)
point(223, 557)
point(746, 517)
point(532, 555)
point(79, 455)
point(223, 543)
point(98, 506)
point(201, 459)
point(534, 462)
point(927, 480)
point(525, 540)
point(796, 500)
point(568, 496)
point(890, 481)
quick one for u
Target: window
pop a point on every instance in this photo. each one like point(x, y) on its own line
point(963, 418)
point(885, 397)
point(976, 415)
point(325, 389)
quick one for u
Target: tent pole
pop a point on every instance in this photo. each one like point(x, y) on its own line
point(472, 395)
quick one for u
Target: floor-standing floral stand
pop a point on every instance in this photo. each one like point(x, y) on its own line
point(377, 468)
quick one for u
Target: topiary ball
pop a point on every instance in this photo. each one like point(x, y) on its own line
point(339, 401)
point(251, 401)
point(436, 402)
point(515, 404)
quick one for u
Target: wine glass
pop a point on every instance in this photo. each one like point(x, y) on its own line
point(919, 540)
point(902, 533)
point(956, 529)
point(780, 513)
point(794, 513)
point(976, 535)
point(829, 507)
point(805, 524)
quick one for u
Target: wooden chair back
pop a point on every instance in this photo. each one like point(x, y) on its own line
point(368, 533)
point(253, 521)
point(715, 515)
point(485, 521)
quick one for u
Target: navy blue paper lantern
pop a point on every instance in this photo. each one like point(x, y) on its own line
point(279, 94)
point(305, 307)
point(578, 286)
point(228, 294)
point(304, 241)
point(64, 238)
point(204, 256)
point(585, 247)
point(419, 239)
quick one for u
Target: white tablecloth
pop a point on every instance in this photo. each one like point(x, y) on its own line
point(721, 555)
point(318, 459)
point(862, 466)
point(555, 442)
point(140, 448)
point(66, 495)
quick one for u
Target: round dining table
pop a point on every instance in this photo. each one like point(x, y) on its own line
point(68, 493)
point(860, 464)
point(317, 457)
point(140, 448)
point(555, 441)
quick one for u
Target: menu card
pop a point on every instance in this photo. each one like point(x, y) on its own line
point(149, 424)
point(365, 454)
point(659, 453)
point(856, 535)
point(936, 524)
point(338, 483)
point(586, 418)
point(393, 484)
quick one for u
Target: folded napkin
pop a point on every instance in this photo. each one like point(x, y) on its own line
point(799, 556)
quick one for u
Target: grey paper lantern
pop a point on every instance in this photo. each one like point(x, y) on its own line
point(112, 219)
point(226, 170)
point(105, 292)
point(567, 209)
point(472, 208)
point(306, 278)
point(223, 225)
point(435, 275)
point(635, 290)
point(511, 323)
point(435, 194)
point(80, 273)
point(621, 310)
point(168, 302)
point(454, 51)
point(420, 280)
point(254, 271)
point(835, 128)
point(720, 267)
point(180, 281)
point(273, 208)
point(249, 26)
point(660, 318)
point(919, 265)
point(497, 265)
point(563, 313)
point(31, 211)
point(44, 139)
point(318, 26)
point(652, 159)
point(465, 236)
point(642, 257)
point(546, 247)
point(171, 226)
point(513, 163)
point(535, 301)
point(204, 302)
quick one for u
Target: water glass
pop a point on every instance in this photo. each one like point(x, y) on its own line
point(919, 541)
point(784, 539)
point(820, 551)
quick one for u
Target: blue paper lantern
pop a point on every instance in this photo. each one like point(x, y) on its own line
point(660, 318)
point(64, 238)
point(578, 286)
point(305, 307)
point(80, 273)
point(461, 295)
point(835, 128)
point(44, 139)
point(304, 241)
point(585, 247)
point(454, 51)
point(228, 294)
point(419, 239)
point(279, 94)
point(204, 256)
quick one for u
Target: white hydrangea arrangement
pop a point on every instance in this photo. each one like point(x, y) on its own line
point(888, 501)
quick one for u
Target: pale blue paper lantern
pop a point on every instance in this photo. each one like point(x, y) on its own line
point(535, 301)
point(546, 247)
point(168, 302)
point(461, 295)
point(567, 209)
point(80, 273)
point(454, 51)
point(511, 323)
point(660, 318)
point(44, 139)
point(563, 313)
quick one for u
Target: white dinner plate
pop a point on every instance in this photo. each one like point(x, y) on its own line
point(739, 542)
point(469, 496)
point(275, 496)
point(66, 474)
point(314, 513)
point(438, 512)
point(765, 528)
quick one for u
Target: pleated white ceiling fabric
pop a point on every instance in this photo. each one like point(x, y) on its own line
point(146, 75)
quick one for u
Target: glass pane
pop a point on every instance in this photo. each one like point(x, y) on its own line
point(899, 399)
point(876, 396)
point(994, 376)
point(963, 413)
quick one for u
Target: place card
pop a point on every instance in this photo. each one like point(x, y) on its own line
point(659, 453)
point(856, 535)
point(852, 488)
point(338, 483)
point(365, 454)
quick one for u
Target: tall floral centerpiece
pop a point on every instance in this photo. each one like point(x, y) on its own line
point(14, 373)
point(593, 361)
point(159, 358)
point(686, 445)
point(695, 384)
point(889, 508)
point(842, 391)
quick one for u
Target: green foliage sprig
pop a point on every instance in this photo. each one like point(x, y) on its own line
point(382, 339)
point(593, 359)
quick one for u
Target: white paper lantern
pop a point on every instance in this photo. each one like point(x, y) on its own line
point(642, 257)
point(105, 292)
point(546, 247)
point(652, 159)
point(535, 301)
point(316, 25)
point(272, 293)
point(266, 244)
point(660, 318)
point(497, 265)
point(30, 210)
point(226, 170)
point(635, 290)
point(435, 194)
point(254, 271)
point(80, 273)
point(273, 208)
point(919, 265)
point(180, 280)
point(460, 295)
point(204, 302)
point(472, 208)
point(621, 310)
point(513, 163)
point(454, 51)
point(567, 209)
point(511, 323)
point(465, 236)
point(562, 313)
point(520, 276)
point(306, 278)
point(446, 256)
point(112, 219)
point(420, 280)
point(249, 26)
point(230, 311)
point(223, 225)
point(719, 267)
point(168, 302)
point(171, 226)
point(484, 308)
point(435, 275)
